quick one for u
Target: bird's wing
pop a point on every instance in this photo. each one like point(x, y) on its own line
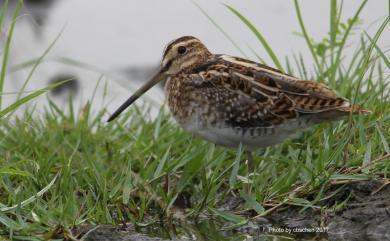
point(283, 92)
point(235, 106)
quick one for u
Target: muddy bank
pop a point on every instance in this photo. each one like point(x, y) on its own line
point(365, 216)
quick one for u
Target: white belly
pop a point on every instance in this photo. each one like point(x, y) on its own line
point(251, 139)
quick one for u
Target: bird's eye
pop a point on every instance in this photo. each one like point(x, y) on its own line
point(181, 50)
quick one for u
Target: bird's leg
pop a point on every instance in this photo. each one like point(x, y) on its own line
point(249, 161)
point(250, 169)
point(166, 183)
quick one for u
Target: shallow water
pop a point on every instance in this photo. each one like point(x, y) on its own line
point(123, 41)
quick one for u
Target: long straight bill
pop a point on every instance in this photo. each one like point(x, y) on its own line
point(157, 78)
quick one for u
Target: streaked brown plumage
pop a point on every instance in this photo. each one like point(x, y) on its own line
point(229, 100)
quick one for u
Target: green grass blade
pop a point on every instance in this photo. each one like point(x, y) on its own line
point(32, 198)
point(12, 171)
point(8, 47)
point(161, 163)
point(333, 22)
point(2, 14)
point(220, 28)
point(261, 60)
point(334, 27)
point(335, 65)
point(38, 61)
point(234, 173)
point(259, 37)
point(96, 87)
point(228, 216)
point(251, 202)
point(306, 36)
point(17, 104)
point(385, 143)
point(8, 222)
point(367, 56)
point(385, 59)
point(367, 157)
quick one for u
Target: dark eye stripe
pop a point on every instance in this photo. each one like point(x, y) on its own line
point(166, 67)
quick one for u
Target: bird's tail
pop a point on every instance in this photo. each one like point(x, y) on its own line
point(354, 109)
point(338, 113)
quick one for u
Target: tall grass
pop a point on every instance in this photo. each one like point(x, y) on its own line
point(8, 41)
point(61, 170)
point(19, 101)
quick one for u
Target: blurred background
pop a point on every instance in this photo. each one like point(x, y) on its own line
point(113, 46)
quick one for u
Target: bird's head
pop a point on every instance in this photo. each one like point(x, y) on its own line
point(180, 54)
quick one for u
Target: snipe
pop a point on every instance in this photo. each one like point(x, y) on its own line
point(229, 100)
